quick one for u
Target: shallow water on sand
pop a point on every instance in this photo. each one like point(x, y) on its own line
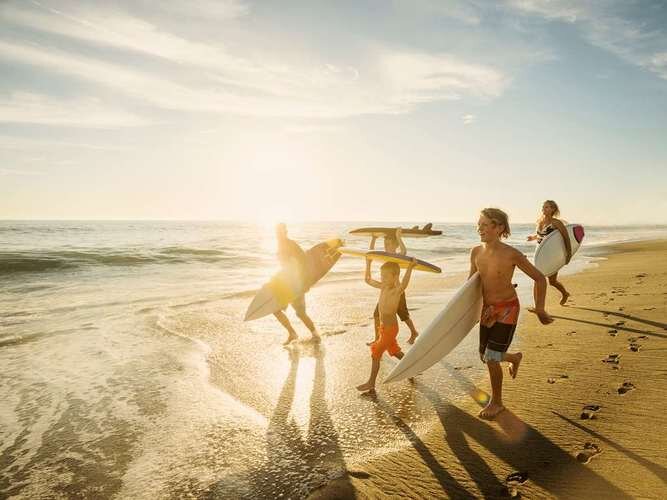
point(127, 369)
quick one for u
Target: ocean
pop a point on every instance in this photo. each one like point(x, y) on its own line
point(126, 369)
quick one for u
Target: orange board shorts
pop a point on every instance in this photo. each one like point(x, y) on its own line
point(386, 342)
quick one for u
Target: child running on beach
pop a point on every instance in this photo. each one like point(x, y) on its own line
point(393, 243)
point(495, 261)
point(391, 291)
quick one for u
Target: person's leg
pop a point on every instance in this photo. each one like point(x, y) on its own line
point(370, 385)
point(413, 331)
point(495, 405)
point(282, 318)
point(553, 281)
point(299, 306)
point(514, 359)
point(376, 321)
point(404, 315)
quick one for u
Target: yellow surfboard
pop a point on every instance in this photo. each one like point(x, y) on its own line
point(402, 260)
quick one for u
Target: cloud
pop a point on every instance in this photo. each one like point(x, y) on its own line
point(418, 77)
point(394, 84)
point(636, 35)
point(468, 119)
point(25, 107)
point(13, 171)
point(209, 78)
point(460, 10)
point(29, 144)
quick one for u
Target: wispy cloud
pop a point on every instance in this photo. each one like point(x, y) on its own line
point(468, 119)
point(14, 171)
point(209, 78)
point(25, 107)
point(631, 31)
point(18, 143)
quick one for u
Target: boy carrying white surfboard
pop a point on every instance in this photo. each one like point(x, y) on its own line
point(495, 261)
point(393, 243)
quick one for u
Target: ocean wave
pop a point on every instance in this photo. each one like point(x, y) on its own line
point(70, 260)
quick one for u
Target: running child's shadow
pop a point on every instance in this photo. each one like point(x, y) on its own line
point(519, 444)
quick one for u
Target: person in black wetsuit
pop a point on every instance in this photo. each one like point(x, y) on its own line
point(291, 256)
point(547, 223)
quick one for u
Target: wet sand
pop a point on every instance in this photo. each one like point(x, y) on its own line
point(595, 380)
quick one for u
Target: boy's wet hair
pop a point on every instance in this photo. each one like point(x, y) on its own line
point(392, 267)
point(498, 217)
point(390, 238)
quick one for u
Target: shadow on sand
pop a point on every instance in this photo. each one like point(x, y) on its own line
point(296, 462)
point(657, 469)
point(611, 325)
point(510, 439)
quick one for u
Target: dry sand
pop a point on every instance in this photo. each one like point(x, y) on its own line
point(615, 308)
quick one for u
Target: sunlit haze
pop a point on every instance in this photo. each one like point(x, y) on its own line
point(387, 111)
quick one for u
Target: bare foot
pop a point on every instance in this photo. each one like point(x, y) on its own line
point(514, 365)
point(491, 411)
point(292, 337)
point(315, 338)
point(367, 387)
point(413, 337)
point(563, 300)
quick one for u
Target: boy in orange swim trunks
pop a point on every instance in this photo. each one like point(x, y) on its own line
point(393, 243)
point(495, 261)
point(391, 290)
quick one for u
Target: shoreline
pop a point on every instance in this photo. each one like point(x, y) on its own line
point(542, 433)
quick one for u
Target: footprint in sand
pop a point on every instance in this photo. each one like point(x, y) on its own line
point(635, 339)
point(517, 478)
point(457, 368)
point(335, 332)
point(634, 347)
point(613, 359)
point(590, 450)
point(588, 412)
point(641, 275)
point(649, 308)
point(553, 380)
point(512, 482)
point(613, 333)
point(358, 474)
point(620, 323)
point(626, 387)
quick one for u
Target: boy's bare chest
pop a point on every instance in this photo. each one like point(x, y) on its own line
point(388, 295)
point(491, 266)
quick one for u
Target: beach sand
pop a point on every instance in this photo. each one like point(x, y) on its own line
point(617, 308)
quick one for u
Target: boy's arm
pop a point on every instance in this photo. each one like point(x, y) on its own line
point(399, 238)
point(566, 238)
point(370, 280)
point(373, 240)
point(540, 288)
point(408, 274)
point(473, 264)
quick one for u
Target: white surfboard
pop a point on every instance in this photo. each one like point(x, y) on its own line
point(402, 260)
point(289, 283)
point(445, 332)
point(550, 253)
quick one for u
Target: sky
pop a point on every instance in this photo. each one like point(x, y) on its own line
point(392, 110)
